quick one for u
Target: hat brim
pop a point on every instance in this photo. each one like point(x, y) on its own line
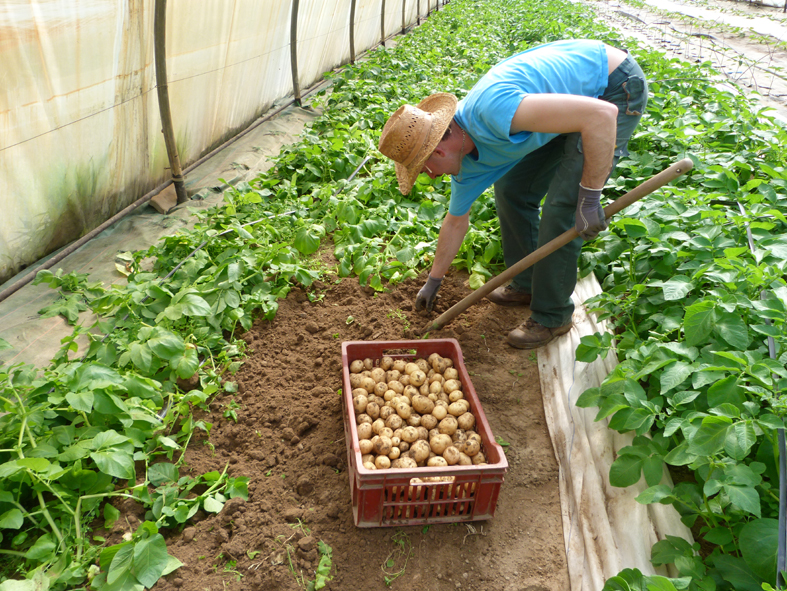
point(442, 106)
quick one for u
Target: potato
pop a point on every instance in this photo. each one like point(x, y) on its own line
point(404, 379)
point(439, 411)
point(382, 445)
point(443, 397)
point(414, 420)
point(441, 364)
point(369, 466)
point(435, 387)
point(378, 426)
point(366, 373)
point(364, 418)
point(403, 446)
point(386, 432)
point(355, 380)
point(399, 365)
point(417, 377)
point(466, 420)
point(410, 392)
point(378, 375)
point(368, 363)
point(359, 403)
point(392, 375)
point(356, 366)
point(367, 458)
point(451, 385)
point(432, 433)
point(410, 368)
point(396, 440)
point(456, 396)
point(386, 362)
point(382, 462)
point(464, 460)
point(420, 451)
point(432, 357)
point(448, 425)
point(409, 434)
point(365, 431)
point(429, 421)
point(389, 395)
point(368, 384)
point(451, 455)
point(380, 388)
point(396, 387)
point(437, 462)
point(474, 435)
point(458, 408)
point(397, 434)
point(386, 412)
point(394, 422)
point(479, 458)
point(403, 410)
point(424, 389)
point(439, 443)
point(436, 377)
point(394, 453)
point(365, 446)
point(423, 433)
point(406, 462)
point(451, 374)
point(422, 364)
point(472, 447)
point(422, 404)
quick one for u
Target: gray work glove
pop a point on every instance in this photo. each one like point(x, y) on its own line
point(590, 215)
point(428, 293)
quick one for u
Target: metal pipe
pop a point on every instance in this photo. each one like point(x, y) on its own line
point(417, 12)
point(382, 23)
point(296, 85)
point(352, 32)
point(404, 23)
point(160, 56)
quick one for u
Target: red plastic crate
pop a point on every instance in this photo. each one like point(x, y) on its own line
point(394, 497)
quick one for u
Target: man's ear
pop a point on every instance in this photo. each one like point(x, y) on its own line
point(439, 150)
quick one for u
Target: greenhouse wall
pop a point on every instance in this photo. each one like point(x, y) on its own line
point(80, 126)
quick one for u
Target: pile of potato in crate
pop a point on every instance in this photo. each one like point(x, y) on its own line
point(412, 414)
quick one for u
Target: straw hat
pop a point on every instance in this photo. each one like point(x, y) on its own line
point(412, 133)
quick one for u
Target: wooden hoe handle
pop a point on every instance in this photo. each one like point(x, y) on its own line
point(665, 176)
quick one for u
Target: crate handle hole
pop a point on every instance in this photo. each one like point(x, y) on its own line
point(433, 480)
point(399, 352)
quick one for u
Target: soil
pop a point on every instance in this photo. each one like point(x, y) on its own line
point(289, 440)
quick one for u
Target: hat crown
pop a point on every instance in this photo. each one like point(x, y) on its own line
point(405, 133)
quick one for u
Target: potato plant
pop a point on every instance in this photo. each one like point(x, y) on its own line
point(412, 414)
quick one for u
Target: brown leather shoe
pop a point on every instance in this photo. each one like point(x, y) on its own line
point(508, 296)
point(532, 335)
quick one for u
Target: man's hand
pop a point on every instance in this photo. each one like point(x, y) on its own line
point(590, 215)
point(428, 293)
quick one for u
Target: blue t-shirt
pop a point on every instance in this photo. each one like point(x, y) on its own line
point(577, 67)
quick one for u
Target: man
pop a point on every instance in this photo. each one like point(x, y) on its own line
point(552, 120)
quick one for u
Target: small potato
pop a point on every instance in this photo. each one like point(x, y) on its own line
point(356, 366)
point(386, 412)
point(439, 412)
point(378, 426)
point(474, 435)
point(451, 374)
point(420, 451)
point(451, 455)
point(382, 445)
point(432, 434)
point(386, 362)
point(403, 410)
point(369, 466)
point(365, 431)
point(439, 444)
point(424, 389)
point(422, 404)
point(479, 458)
point(358, 392)
point(464, 460)
point(382, 462)
point(394, 453)
point(378, 375)
point(472, 447)
point(443, 397)
point(397, 434)
point(411, 392)
point(423, 433)
point(441, 364)
point(457, 408)
point(368, 384)
point(432, 357)
point(414, 420)
point(368, 363)
point(448, 425)
point(410, 368)
point(437, 462)
point(455, 396)
point(417, 377)
point(429, 421)
point(409, 434)
point(404, 379)
point(406, 462)
point(364, 418)
point(396, 386)
point(392, 375)
point(367, 458)
point(396, 440)
point(386, 432)
point(366, 373)
point(466, 421)
point(365, 446)
point(380, 388)
point(436, 377)
point(396, 464)
point(422, 364)
point(399, 365)
point(359, 403)
point(435, 387)
point(451, 385)
point(403, 446)
point(389, 395)
point(394, 422)
point(355, 380)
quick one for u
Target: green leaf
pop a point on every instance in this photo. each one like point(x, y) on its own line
point(193, 305)
point(43, 548)
point(306, 242)
point(166, 344)
point(185, 364)
point(121, 563)
point(163, 472)
point(141, 356)
point(709, 438)
point(745, 498)
point(150, 559)
point(12, 519)
point(212, 505)
point(725, 390)
point(732, 329)
point(80, 401)
point(735, 571)
point(674, 375)
point(654, 494)
point(698, 322)
point(111, 515)
point(659, 583)
point(119, 465)
point(625, 471)
point(759, 544)
point(676, 288)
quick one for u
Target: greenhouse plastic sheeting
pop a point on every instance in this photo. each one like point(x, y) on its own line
point(604, 528)
point(80, 130)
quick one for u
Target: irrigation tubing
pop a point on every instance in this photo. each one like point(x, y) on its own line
point(781, 556)
point(74, 246)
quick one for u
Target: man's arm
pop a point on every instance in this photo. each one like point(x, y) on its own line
point(452, 234)
point(595, 119)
